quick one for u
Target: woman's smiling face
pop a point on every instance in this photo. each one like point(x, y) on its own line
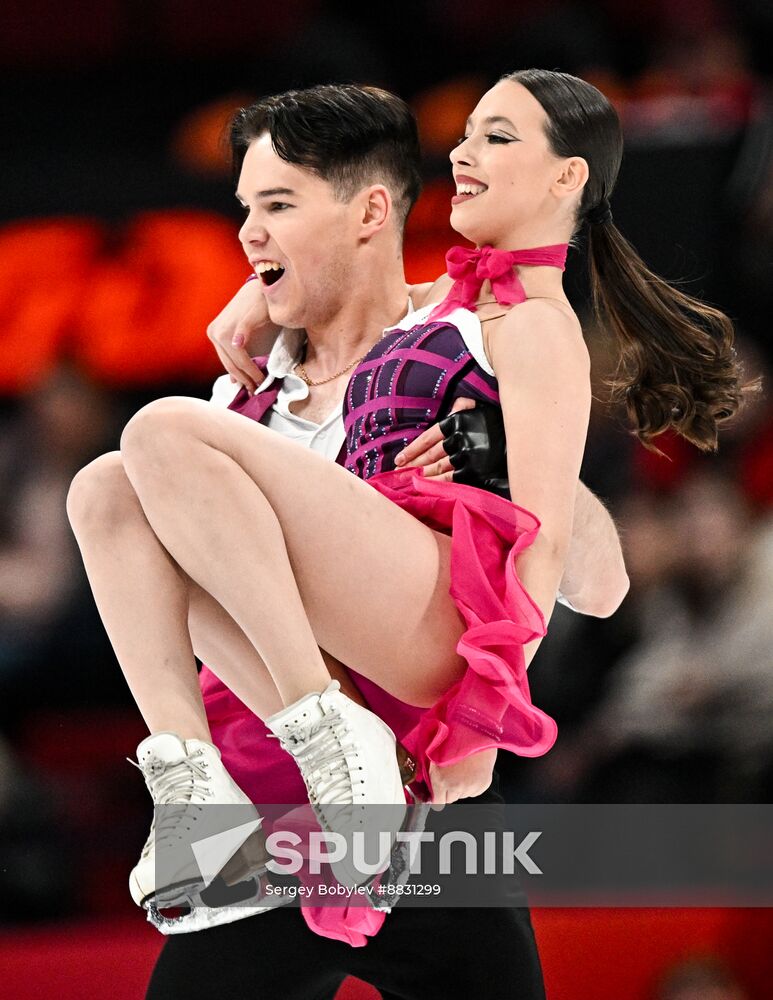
point(504, 170)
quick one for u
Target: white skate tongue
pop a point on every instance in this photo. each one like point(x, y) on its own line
point(166, 747)
point(300, 720)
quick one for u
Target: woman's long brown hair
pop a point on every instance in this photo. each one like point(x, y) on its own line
point(677, 366)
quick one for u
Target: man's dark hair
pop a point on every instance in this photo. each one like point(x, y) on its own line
point(349, 136)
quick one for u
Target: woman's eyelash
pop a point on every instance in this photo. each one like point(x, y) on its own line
point(491, 136)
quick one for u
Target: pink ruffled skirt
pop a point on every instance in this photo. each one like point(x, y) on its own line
point(491, 705)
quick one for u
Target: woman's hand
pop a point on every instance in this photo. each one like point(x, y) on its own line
point(427, 449)
point(234, 332)
point(467, 778)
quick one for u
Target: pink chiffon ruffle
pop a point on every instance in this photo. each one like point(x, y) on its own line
point(490, 707)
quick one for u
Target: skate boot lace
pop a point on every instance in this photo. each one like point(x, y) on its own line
point(170, 784)
point(322, 758)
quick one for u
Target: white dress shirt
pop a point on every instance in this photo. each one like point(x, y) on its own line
point(326, 438)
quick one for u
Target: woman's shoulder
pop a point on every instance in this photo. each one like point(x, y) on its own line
point(465, 323)
point(540, 328)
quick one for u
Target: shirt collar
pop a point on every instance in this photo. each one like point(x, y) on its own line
point(284, 355)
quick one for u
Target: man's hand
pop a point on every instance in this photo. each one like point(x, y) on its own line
point(428, 450)
point(468, 446)
point(476, 446)
point(234, 333)
point(467, 778)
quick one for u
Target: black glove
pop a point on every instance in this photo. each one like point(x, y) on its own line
point(474, 441)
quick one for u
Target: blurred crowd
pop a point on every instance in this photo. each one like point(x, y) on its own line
point(670, 699)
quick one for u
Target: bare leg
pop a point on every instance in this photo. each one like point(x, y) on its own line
point(141, 597)
point(155, 615)
point(221, 644)
point(300, 552)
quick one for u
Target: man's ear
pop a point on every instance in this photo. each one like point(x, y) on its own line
point(572, 178)
point(375, 204)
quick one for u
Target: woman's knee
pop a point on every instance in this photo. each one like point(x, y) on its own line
point(100, 493)
point(151, 430)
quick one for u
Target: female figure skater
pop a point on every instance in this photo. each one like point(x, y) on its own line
point(368, 579)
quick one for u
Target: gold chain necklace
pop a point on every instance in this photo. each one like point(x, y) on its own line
point(303, 375)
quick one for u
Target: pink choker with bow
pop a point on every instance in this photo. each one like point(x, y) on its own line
point(470, 268)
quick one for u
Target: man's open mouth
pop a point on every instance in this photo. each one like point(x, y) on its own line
point(269, 271)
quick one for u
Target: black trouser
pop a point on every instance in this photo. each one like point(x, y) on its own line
point(419, 954)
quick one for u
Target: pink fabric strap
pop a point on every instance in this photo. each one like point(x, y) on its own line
point(470, 268)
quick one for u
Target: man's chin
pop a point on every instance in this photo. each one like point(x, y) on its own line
point(283, 317)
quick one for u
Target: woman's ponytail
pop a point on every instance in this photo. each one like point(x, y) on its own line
point(678, 369)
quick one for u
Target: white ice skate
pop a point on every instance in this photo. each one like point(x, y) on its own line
point(190, 841)
point(347, 757)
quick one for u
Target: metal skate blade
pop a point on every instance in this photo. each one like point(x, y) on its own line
point(202, 907)
point(398, 872)
point(200, 918)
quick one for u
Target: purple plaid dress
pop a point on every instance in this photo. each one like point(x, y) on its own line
point(408, 382)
